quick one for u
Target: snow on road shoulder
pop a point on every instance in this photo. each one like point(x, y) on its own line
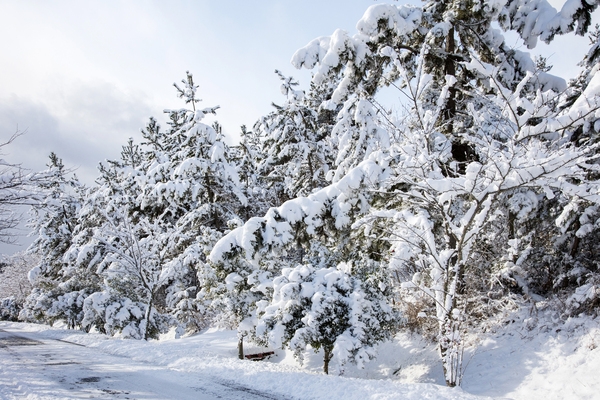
point(538, 359)
point(212, 354)
point(529, 358)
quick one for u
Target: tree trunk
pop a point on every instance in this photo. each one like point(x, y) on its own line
point(147, 316)
point(241, 347)
point(451, 350)
point(511, 225)
point(326, 358)
point(576, 240)
point(450, 69)
point(450, 339)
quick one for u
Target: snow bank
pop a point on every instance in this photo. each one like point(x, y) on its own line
point(213, 354)
point(529, 358)
point(537, 359)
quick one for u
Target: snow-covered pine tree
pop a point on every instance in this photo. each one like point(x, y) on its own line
point(116, 244)
point(191, 185)
point(53, 221)
point(246, 156)
point(54, 218)
point(131, 266)
point(296, 147)
point(188, 170)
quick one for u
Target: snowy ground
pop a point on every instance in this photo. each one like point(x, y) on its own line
point(547, 362)
point(33, 368)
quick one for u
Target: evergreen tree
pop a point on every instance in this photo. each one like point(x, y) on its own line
point(193, 188)
point(131, 268)
point(54, 220)
point(247, 156)
point(307, 233)
point(98, 238)
point(295, 144)
point(334, 309)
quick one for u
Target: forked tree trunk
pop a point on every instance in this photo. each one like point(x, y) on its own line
point(451, 351)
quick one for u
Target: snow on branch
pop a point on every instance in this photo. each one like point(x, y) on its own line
point(277, 227)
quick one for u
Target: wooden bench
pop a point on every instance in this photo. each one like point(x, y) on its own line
point(259, 356)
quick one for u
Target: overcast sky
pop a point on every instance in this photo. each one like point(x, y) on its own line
point(83, 76)
point(80, 77)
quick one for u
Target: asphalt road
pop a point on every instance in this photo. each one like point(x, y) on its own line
point(35, 368)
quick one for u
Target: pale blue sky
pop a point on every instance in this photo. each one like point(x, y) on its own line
point(83, 76)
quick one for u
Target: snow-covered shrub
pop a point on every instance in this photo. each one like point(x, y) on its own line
point(67, 307)
point(51, 301)
point(10, 308)
point(111, 315)
point(14, 271)
point(328, 309)
point(418, 310)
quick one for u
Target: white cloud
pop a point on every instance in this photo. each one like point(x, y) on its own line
point(84, 125)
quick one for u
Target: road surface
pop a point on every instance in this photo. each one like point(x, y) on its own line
point(36, 368)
